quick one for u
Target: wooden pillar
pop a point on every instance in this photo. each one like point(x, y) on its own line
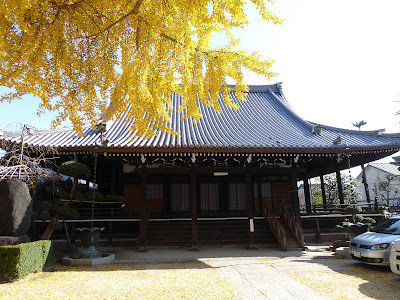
point(114, 178)
point(109, 233)
point(143, 211)
point(307, 194)
point(295, 194)
point(193, 192)
point(321, 177)
point(340, 187)
point(317, 231)
point(260, 199)
point(250, 208)
point(73, 233)
point(166, 190)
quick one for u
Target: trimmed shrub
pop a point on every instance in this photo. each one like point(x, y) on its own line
point(114, 198)
point(54, 212)
point(79, 196)
point(368, 220)
point(82, 188)
point(55, 225)
point(67, 212)
point(75, 169)
point(18, 261)
point(358, 218)
point(62, 193)
point(353, 209)
point(99, 197)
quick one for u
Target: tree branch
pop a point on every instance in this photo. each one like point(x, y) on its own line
point(134, 11)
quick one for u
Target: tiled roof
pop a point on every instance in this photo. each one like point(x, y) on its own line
point(264, 121)
point(388, 168)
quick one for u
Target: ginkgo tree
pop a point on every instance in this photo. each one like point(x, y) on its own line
point(87, 59)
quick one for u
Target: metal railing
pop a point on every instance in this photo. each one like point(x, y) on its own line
point(334, 208)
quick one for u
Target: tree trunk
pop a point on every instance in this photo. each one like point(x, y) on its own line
point(71, 194)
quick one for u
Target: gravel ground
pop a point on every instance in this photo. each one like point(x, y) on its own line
point(318, 270)
point(339, 278)
point(194, 280)
point(354, 283)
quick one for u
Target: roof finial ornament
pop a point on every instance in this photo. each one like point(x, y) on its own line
point(105, 143)
point(279, 87)
point(317, 129)
point(101, 127)
point(338, 140)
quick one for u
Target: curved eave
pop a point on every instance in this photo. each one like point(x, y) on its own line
point(232, 150)
point(265, 123)
point(374, 133)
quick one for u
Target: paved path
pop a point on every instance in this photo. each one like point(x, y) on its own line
point(257, 280)
point(252, 278)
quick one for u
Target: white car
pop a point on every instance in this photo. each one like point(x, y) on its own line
point(374, 247)
point(395, 257)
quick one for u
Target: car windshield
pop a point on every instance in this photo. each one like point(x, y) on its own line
point(391, 226)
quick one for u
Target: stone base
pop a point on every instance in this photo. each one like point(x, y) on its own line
point(337, 244)
point(105, 258)
point(89, 252)
point(252, 247)
point(142, 249)
point(14, 240)
point(343, 252)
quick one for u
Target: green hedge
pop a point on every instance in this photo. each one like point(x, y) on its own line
point(19, 260)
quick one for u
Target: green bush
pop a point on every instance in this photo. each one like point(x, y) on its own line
point(54, 212)
point(79, 196)
point(67, 212)
point(82, 188)
point(75, 169)
point(55, 225)
point(353, 209)
point(114, 198)
point(18, 261)
point(62, 193)
point(368, 220)
point(99, 197)
point(358, 219)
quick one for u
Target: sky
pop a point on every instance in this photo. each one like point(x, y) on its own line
point(338, 61)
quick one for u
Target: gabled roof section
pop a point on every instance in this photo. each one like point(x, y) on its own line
point(387, 168)
point(265, 122)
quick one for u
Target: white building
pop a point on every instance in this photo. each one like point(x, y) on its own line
point(383, 182)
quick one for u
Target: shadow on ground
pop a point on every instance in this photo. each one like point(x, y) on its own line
point(128, 267)
point(343, 275)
